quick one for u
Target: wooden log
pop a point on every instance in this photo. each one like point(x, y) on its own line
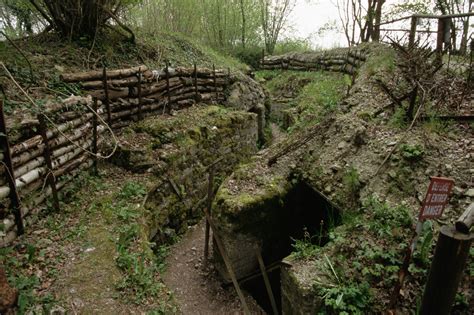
point(147, 77)
point(36, 140)
point(9, 225)
point(51, 180)
point(59, 141)
point(466, 220)
point(113, 94)
point(36, 173)
point(452, 251)
point(12, 189)
point(39, 160)
point(98, 75)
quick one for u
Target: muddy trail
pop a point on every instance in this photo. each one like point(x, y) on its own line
point(196, 287)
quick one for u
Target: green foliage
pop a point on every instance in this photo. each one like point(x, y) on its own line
point(292, 45)
point(306, 247)
point(385, 218)
point(399, 118)
point(352, 182)
point(132, 190)
point(350, 298)
point(411, 153)
point(383, 62)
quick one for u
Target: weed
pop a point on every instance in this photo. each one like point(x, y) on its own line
point(412, 153)
point(305, 247)
point(352, 182)
point(399, 119)
point(131, 190)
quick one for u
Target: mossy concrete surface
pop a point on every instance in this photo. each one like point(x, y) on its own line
point(179, 151)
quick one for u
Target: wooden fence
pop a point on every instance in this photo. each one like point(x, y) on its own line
point(66, 142)
point(344, 60)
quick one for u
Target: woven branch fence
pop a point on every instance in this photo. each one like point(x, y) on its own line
point(64, 140)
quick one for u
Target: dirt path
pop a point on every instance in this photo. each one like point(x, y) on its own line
point(197, 289)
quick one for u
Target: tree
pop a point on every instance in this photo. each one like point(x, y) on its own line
point(360, 21)
point(78, 18)
point(274, 15)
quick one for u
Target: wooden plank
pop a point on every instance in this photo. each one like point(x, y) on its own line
point(94, 137)
point(230, 269)
point(10, 174)
point(268, 286)
point(209, 210)
point(106, 94)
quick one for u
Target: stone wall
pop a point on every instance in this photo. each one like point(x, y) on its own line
point(178, 150)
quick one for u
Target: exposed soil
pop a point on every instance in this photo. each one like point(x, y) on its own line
point(196, 287)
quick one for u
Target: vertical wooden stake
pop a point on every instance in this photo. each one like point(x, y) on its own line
point(263, 58)
point(440, 41)
point(106, 94)
point(228, 77)
point(167, 86)
point(412, 36)
point(451, 254)
point(47, 157)
point(139, 89)
point(210, 188)
point(196, 92)
point(215, 82)
point(9, 173)
point(267, 282)
point(221, 248)
point(94, 137)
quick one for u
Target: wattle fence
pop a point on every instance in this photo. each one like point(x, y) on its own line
point(46, 153)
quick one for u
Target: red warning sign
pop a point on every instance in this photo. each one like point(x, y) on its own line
point(436, 198)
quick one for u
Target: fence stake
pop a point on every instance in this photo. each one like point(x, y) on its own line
point(94, 137)
point(47, 157)
point(139, 90)
point(440, 41)
point(210, 188)
point(215, 82)
point(106, 94)
point(412, 36)
point(228, 77)
point(263, 58)
point(167, 86)
point(196, 93)
point(10, 175)
point(221, 248)
point(446, 271)
point(267, 281)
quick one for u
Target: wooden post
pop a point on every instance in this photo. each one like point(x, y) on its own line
point(47, 157)
point(106, 94)
point(412, 36)
point(196, 92)
point(221, 248)
point(466, 220)
point(263, 58)
point(446, 271)
point(228, 77)
point(210, 188)
point(94, 137)
point(440, 41)
point(167, 86)
point(215, 82)
point(9, 173)
point(139, 90)
point(267, 282)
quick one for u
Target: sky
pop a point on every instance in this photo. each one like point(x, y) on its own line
point(309, 16)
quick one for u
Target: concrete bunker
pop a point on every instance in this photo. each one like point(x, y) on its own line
point(299, 213)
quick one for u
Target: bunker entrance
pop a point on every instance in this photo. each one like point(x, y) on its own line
point(304, 215)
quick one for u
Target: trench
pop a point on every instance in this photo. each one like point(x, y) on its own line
point(305, 215)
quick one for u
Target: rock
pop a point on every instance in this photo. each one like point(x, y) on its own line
point(57, 310)
point(449, 167)
point(457, 191)
point(342, 145)
point(469, 192)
